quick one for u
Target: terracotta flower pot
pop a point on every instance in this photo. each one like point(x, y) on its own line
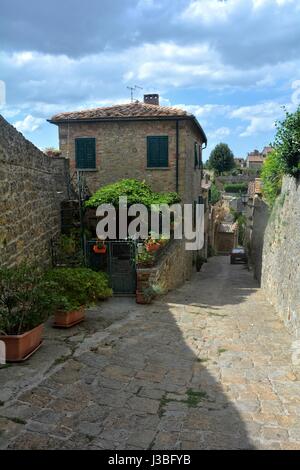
point(21, 347)
point(153, 247)
point(68, 319)
point(98, 250)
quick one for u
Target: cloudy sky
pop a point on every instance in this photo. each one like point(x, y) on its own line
point(234, 64)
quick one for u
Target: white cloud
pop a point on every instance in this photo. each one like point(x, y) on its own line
point(219, 133)
point(28, 124)
point(295, 99)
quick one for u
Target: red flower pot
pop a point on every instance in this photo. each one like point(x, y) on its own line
point(99, 250)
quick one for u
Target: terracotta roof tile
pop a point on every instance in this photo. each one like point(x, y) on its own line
point(255, 158)
point(129, 110)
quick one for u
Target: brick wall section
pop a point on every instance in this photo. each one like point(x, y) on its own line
point(29, 203)
point(121, 152)
point(174, 267)
point(281, 256)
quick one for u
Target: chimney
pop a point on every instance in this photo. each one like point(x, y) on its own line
point(152, 99)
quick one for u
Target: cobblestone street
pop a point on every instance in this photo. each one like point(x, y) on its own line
point(206, 367)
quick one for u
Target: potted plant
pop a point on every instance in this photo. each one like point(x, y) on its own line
point(76, 288)
point(25, 303)
point(152, 245)
point(148, 293)
point(99, 247)
point(145, 296)
point(145, 260)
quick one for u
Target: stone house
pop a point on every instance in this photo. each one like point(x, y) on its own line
point(145, 141)
point(159, 144)
point(226, 238)
point(239, 162)
point(256, 159)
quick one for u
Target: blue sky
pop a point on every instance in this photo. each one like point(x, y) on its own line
point(234, 64)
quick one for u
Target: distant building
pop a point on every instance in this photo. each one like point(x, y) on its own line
point(240, 162)
point(256, 159)
point(266, 151)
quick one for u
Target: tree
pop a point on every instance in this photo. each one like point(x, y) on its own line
point(221, 158)
point(287, 143)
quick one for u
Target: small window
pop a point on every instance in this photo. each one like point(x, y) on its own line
point(158, 152)
point(85, 153)
point(195, 155)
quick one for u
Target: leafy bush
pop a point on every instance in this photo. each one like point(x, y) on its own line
point(235, 187)
point(78, 286)
point(136, 192)
point(242, 222)
point(215, 194)
point(271, 174)
point(26, 299)
point(287, 143)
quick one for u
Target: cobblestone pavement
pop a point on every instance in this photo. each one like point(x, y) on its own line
point(206, 367)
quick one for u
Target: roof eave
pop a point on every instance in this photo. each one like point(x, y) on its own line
point(135, 118)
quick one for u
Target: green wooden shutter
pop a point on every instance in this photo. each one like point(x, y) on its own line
point(200, 156)
point(85, 150)
point(195, 155)
point(158, 151)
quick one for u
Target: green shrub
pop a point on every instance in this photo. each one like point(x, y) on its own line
point(215, 194)
point(78, 286)
point(26, 299)
point(271, 174)
point(287, 143)
point(235, 187)
point(137, 193)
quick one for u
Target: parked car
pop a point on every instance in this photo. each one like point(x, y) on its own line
point(238, 255)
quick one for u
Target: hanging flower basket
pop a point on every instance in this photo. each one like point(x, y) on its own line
point(99, 248)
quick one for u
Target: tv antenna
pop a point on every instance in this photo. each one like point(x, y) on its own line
point(132, 89)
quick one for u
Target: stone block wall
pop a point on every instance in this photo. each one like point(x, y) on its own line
point(32, 186)
point(281, 256)
point(172, 270)
point(257, 220)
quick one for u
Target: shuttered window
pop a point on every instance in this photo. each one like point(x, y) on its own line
point(157, 152)
point(85, 152)
point(200, 156)
point(195, 155)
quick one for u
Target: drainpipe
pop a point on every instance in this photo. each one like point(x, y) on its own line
point(202, 148)
point(177, 155)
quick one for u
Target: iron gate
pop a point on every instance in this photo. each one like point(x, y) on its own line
point(118, 262)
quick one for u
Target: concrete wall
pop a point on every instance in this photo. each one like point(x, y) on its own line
point(281, 256)
point(30, 183)
point(121, 152)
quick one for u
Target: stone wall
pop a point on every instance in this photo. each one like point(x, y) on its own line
point(32, 185)
point(121, 152)
point(281, 256)
point(173, 269)
point(257, 219)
